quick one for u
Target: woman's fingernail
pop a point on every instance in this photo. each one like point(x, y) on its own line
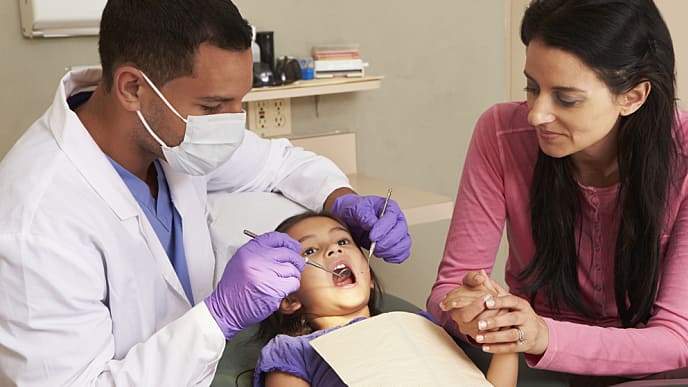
point(487, 297)
point(482, 324)
point(486, 348)
point(478, 277)
point(490, 303)
point(480, 338)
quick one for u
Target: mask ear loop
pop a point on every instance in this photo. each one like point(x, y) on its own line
point(162, 97)
point(150, 131)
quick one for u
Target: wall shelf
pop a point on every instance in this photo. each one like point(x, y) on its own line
point(314, 87)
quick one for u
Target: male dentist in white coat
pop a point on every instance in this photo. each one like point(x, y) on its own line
point(106, 262)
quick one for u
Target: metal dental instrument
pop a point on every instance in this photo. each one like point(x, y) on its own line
point(384, 207)
point(308, 261)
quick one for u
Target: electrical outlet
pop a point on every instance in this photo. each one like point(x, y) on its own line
point(270, 118)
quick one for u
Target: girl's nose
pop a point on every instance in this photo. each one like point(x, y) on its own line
point(334, 251)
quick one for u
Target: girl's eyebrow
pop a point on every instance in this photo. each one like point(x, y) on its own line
point(338, 228)
point(332, 230)
point(306, 237)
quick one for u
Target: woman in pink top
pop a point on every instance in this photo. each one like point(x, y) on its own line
point(590, 178)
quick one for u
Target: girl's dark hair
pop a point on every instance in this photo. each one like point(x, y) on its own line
point(625, 42)
point(296, 324)
point(161, 37)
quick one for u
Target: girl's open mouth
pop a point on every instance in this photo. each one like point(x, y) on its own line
point(345, 275)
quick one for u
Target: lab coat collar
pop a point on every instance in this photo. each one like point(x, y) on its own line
point(78, 145)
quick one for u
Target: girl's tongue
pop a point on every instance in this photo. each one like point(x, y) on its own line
point(346, 275)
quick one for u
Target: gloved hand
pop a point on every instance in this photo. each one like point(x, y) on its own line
point(260, 274)
point(390, 232)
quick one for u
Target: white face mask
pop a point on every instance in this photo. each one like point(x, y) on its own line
point(209, 141)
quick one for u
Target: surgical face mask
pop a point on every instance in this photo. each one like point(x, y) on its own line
point(209, 141)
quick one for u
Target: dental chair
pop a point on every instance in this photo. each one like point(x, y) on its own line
point(229, 215)
point(241, 353)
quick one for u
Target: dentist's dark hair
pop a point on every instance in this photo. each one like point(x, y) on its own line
point(626, 42)
point(161, 37)
point(296, 324)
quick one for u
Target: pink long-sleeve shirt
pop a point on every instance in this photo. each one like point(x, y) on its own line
point(494, 190)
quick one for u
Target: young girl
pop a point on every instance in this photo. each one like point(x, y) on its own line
point(326, 302)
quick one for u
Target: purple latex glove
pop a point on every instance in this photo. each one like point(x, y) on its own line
point(390, 232)
point(260, 274)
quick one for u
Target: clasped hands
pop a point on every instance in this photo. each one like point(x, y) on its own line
point(500, 322)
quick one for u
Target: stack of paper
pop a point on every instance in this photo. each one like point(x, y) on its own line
point(338, 61)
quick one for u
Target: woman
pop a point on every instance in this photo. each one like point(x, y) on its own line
point(589, 176)
point(324, 303)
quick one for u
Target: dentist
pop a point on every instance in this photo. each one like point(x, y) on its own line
point(105, 253)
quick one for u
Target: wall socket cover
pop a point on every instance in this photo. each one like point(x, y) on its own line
point(270, 118)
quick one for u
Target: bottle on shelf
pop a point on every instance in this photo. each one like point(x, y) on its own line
point(255, 48)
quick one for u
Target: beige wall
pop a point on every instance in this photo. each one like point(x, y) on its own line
point(30, 71)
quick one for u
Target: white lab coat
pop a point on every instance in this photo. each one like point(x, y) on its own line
point(88, 295)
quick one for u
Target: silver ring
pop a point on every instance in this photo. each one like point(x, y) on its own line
point(521, 335)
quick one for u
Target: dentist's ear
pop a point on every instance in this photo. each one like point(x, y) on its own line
point(290, 304)
point(127, 85)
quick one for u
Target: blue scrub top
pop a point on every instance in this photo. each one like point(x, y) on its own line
point(164, 218)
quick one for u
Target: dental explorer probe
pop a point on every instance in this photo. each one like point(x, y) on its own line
point(384, 207)
point(308, 261)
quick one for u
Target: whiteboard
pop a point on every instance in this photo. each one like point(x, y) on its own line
point(60, 18)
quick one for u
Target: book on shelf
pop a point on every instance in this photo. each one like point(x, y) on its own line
point(338, 65)
point(336, 52)
point(340, 74)
point(336, 55)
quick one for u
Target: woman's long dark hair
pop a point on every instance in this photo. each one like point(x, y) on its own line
point(625, 42)
point(296, 324)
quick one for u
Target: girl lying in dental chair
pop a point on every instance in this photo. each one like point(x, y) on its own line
point(326, 302)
